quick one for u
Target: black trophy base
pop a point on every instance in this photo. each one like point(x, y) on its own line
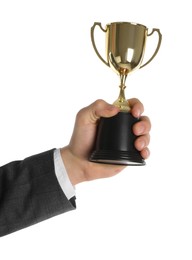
point(115, 141)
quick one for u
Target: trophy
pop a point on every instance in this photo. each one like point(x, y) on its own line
point(125, 48)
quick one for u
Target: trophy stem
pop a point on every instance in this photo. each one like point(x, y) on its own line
point(121, 102)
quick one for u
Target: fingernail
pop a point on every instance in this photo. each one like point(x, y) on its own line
point(112, 107)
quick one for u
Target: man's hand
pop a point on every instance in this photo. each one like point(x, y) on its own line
point(76, 154)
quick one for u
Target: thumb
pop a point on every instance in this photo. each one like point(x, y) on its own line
point(100, 108)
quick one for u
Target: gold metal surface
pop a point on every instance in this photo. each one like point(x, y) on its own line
point(125, 48)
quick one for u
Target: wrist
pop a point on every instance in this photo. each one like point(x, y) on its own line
point(73, 165)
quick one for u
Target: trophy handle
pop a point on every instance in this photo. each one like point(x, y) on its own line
point(158, 46)
point(93, 41)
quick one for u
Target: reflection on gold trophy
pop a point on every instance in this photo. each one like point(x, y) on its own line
point(125, 48)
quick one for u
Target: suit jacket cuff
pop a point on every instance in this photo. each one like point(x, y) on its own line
point(30, 193)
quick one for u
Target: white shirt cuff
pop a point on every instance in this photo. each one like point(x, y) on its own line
point(62, 176)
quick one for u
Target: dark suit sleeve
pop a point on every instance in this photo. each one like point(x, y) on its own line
point(30, 193)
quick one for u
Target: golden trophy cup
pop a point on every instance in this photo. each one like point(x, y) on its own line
point(125, 48)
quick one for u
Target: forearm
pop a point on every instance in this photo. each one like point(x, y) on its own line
point(74, 166)
point(30, 193)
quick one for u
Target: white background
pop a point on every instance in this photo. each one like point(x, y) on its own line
point(48, 71)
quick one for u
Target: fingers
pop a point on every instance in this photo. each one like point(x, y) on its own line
point(98, 109)
point(137, 107)
point(88, 117)
point(142, 142)
point(142, 129)
point(102, 109)
point(145, 153)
